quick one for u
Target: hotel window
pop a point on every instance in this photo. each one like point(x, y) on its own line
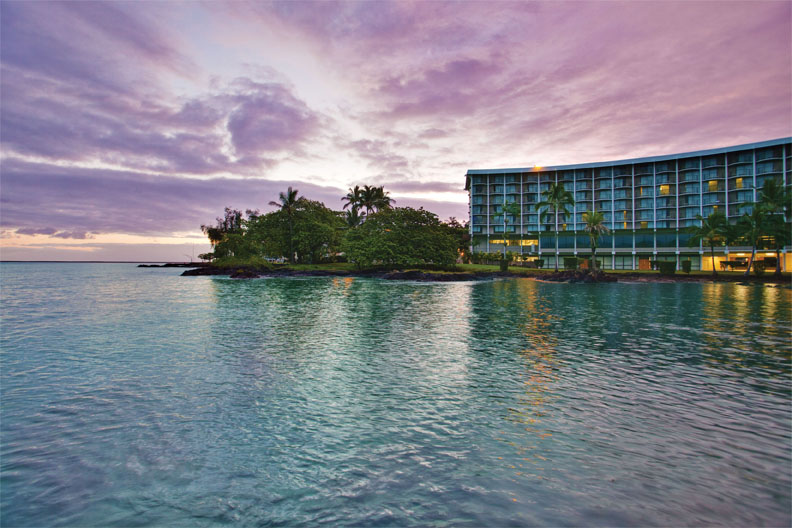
point(738, 183)
point(644, 225)
point(624, 215)
point(713, 185)
point(625, 225)
point(665, 189)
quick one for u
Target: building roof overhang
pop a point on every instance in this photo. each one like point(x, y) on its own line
point(650, 159)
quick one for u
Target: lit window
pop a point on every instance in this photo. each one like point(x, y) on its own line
point(713, 185)
point(738, 183)
point(625, 215)
point(625, 225)
point(644, 225)
point(665, 189)
point(563, 227)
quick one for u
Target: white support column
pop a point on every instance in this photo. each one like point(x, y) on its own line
point(489, 205)
point(521, 217)
point(754, 175)
point(785, 180)
point(632, 216)
point(726, 185)
point(574, 212)
point(654, 210)
point(613, 217)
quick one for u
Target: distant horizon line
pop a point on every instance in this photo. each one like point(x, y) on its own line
point(103, 261)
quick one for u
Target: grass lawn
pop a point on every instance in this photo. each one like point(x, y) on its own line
point(331, 266)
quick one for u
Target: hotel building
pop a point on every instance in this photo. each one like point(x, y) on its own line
point(648, 204)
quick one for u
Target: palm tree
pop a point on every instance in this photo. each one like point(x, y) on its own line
point(374, 198)
point(595, 226)
point(753, 226)
point(353, 198)
point(288, 204)
point(779, 230)
point(556, 199)
point(775, 200)
point(711, 233)
point(382, 199)
point(513, 209)
point(353, 217)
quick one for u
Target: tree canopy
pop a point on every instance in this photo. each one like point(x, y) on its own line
point(400, 236)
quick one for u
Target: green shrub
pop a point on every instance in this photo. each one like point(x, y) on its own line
point(667, 267)
point(759, 268)
point(504, 265)
point(686, 266)
point(539, 263)
point(653, 264)
point(571, 263)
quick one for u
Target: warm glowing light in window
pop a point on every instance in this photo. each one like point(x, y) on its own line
point(625, 214)
point(625, 225)
point(738, 183)
point(713, 185)
point(529, 242)
point(563, 227)
point(644, 225)
point(665, 189)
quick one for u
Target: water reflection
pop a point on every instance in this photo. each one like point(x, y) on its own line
point(333, 401)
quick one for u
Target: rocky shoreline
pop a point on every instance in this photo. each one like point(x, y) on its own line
point(570, 276)
point(412, 275)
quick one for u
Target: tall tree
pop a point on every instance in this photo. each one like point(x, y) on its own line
point(374, 199)
point(353, 198)
point(353, 217)
point(227, 226)
point(753, 227)
point(287, 202)
point(711, 233)
point(556, 199)
point(780, 231)
point(776, 201)
point(509, 209)
point(595, 227)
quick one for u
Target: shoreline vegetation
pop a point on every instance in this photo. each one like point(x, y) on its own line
point(371, 237)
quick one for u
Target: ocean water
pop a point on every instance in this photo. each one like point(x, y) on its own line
point(135, 397)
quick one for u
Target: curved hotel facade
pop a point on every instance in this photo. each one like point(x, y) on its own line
point(647, 202)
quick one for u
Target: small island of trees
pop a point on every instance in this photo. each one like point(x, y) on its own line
point(369, 232)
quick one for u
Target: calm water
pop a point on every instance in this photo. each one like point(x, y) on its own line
point(135, 397)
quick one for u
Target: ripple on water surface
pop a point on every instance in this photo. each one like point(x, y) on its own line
point(137, 397)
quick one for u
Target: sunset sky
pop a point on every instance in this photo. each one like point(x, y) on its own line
point(125, 126)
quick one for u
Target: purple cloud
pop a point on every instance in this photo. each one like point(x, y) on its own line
point(36, 231)
point(405, 94)
point(100, 201)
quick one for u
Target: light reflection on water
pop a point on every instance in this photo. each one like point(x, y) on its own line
point(137, 397)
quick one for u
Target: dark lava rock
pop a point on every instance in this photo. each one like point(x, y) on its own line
point(244, 273)
point(416, 275)
point(204, 271)
point(584, 276)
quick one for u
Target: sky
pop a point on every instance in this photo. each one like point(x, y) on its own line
point(125, 126)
